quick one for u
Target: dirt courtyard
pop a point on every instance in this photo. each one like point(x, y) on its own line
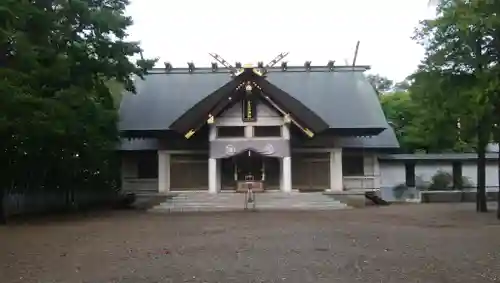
point(400, 243)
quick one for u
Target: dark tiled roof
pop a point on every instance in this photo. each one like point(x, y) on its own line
point(139, 144)
point(342, 97)
point(385, 140)
point(162, 98)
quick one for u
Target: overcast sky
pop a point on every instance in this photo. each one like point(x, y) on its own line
point(250, 31)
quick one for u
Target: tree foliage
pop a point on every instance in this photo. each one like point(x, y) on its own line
point(57, 114)
point(380, 83)
point(458, 80)
point(419, 122)
point(399, 111)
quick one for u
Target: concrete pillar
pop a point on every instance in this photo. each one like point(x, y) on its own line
point(248, 131)
point(336, 176)
point(281, 174)
point(213, 175)
point(163, 171)
point(212, 134)
point(286, 174)
point(285, 131)
point(218, 174)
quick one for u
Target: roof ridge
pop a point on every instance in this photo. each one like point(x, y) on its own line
point(208, 69)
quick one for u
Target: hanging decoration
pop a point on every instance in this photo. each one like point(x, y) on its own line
point(249, 105)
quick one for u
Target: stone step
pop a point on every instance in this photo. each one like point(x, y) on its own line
point(257, 197)
point(256, 200)
point(257, 205)
point(203, 201)
point(259, 208)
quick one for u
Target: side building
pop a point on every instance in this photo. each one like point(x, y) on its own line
point(308, 128)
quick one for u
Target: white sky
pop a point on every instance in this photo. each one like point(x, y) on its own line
point(257, 30)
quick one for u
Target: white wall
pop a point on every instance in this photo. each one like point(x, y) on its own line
point(469, 169)
point(393, 173)
point(425, 171)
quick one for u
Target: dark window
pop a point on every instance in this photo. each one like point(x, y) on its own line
point(230, 132)
point(267, 131)
point(147, 165)
point(353, 165)
point(457, 175)
point(410, 174)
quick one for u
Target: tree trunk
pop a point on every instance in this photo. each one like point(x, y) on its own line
point(497, 139)
point(3, 219)
point(498, 193)
point(481, 205)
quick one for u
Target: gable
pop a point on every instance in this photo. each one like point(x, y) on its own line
point(235, 91)
point(236, 111)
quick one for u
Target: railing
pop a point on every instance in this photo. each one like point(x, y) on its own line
point(139, 186)
point(361, 182)
point(34, 202)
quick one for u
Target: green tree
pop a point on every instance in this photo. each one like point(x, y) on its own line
point(461, 50)
point(436, 126)
point(402, 85)
point(57, 114)
point(418, 125)
point(399, 111)
point(380, 83)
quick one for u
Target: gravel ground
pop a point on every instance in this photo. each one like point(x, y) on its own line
point(400, 243)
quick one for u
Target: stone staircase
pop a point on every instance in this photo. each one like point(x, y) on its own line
point(230, 201)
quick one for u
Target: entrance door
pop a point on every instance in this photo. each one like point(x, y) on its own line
point(249, 164)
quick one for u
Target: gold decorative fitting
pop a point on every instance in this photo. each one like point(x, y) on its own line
point(287, 119)
point(258, 72)
point(308, 132)
point(248, 88)
point(239, 72)
point(189, 134)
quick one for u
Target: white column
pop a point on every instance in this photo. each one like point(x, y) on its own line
point(163, 171)
point(336, 176)
point(285, 131)
point(286, 174)
point(213, 176)
point(281, 174)
point(212, 134)
point(248, 131)
point(218, 176)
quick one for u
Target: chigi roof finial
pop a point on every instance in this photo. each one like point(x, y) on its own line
point(331, 65)
point(191, 67)
point(307, 65)
point(168, 67)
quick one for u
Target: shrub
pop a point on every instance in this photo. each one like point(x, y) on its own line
point(441, 181)
point(399, 191)
point(467, 183)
